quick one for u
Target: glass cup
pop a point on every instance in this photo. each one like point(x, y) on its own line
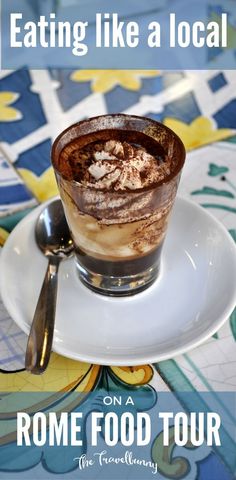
point(119, 235)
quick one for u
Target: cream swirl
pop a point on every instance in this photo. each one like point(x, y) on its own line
point(121, 166)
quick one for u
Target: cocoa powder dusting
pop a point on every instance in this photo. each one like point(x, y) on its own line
point(113, 165)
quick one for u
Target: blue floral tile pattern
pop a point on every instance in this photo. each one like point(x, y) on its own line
point(200, 107)
point(13, 192)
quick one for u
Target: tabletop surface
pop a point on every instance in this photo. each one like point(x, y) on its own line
point(201, 107)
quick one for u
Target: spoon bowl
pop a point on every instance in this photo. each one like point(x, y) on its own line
point(53, 238)
point(52, 234)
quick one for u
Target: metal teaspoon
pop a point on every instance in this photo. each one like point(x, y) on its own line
point(53, 237)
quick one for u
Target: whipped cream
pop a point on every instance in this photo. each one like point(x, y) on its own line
point(120, 166)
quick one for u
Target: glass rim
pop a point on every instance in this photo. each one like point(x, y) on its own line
point(173, 174)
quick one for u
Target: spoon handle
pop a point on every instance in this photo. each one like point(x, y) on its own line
point(39, 344)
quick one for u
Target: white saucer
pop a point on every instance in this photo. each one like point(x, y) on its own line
point(193, 296)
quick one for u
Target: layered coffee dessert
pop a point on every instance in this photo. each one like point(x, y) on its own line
point(118, 221)
point(117, 177)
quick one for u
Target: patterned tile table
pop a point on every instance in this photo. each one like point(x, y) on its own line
point(201, 107)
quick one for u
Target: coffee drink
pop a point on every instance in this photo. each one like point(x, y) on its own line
point(118, 184)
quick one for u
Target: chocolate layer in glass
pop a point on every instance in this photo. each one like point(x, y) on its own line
point(118, 176)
